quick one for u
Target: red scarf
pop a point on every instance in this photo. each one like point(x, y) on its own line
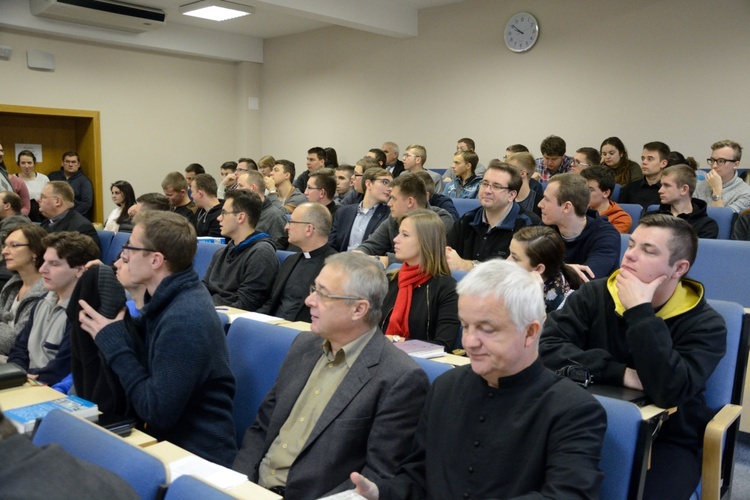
point(409, 278)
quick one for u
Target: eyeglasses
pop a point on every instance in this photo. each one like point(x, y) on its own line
point(493, 187)
point(314, 289)
point(299, 222)
point(241, 169)
point(127, 248)
point(409, 155)
point(14, 245)
point(44, 197)
point(719, 161)
point(225, 213)
point(386, 182)
point(579, 162)
point(357, 175)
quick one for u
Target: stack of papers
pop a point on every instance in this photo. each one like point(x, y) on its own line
point(420, 349)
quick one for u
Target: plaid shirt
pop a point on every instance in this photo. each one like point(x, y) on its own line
point(546, 173)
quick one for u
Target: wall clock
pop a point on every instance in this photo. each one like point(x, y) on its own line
point(521, 32)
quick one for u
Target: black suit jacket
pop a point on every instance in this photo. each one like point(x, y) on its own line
point(73, 221)
point(278, 285)
point(398, 168)
point(344, 220)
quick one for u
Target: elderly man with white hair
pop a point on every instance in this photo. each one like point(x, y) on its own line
point(504, 426)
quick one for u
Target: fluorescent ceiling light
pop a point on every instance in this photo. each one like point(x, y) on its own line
point(216, 10)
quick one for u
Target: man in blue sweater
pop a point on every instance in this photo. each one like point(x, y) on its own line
point(179, 381)
point(70, 172)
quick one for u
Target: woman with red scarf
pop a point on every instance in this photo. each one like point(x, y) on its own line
point(421, 302)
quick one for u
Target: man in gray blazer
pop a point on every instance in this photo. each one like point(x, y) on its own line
point(350, 402)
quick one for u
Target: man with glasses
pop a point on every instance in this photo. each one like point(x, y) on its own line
point(723, 187)
point(414, 159)
point(241, 274)
point(321, 188)
point(71, 172)
point(356, 195)
point(485, 232)
point(585, 158)
point(56, 204)
point(345, 398)
point(179, 381)
point(308, 229)
point(353, 224)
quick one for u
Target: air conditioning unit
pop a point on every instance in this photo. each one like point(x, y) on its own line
point(101, 13)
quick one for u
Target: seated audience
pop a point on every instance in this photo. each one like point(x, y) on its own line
point(485, 232)
point(723, 187)
point(542, 249)
point(228, 172)
point(648, 327)
point(353, 224)
point(504, 426)
point(204, 190)
point(357, 193)
point(124, 197)
point(281, 192)
point(345, 398)
point(42, 348)
point(592, 244)
point(56, 204)
point(645, 191)
point(465, 144)
point(34, 181)
point(180, 385)
point(145, 202)
point(192, 170)
point(23, 253)
point(70, 172)
point(272, 218)
point(315, 159)
point(392, 163)
point(465, 183)
point(554, 160)
point(175, 188)
point(436, 199)
point(308, 228)
point(615, 156)
point(527, 197)
point(241, 274)
point(421, 299)
point(676, 196)
point(321, 188)
point(587, 157)
point(343, 182)
point(414, 160)
point(408, 193)
point(601, 183)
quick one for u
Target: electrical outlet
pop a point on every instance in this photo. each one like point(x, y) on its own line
point(5, 52)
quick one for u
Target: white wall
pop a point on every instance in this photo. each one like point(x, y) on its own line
point(643, 70)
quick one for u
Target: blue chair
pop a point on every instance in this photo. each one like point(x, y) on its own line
point(634, 210)
point(616, 193)
point(87, 441)
point(115, 247)
point(624, 423)
point(256, 351)
point(203, 256)
point(105, 240)
point(724, 217)
point(463, 205)
point(282, 255)
point(724, 394)
point(432, 368)
point(189, 488)
point(719, 267)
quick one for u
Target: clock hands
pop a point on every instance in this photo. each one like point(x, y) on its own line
point(514, 27)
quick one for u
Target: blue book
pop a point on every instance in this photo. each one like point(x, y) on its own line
point(25, 418)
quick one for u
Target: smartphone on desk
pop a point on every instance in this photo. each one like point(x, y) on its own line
point(123, 427)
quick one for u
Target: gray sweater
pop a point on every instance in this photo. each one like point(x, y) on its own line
point(8, 294)
point(735, 193)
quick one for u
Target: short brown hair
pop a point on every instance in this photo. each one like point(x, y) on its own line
point(13, 199)
point(411, 185)
point(326, 180)
point(63, 190)
point(421, 152)
point(170, 234)
point(35, 236)
point(75, 248)
point(206, 183)
point(682, 175)
point(573, 188)
point(729, 144)
point(684, 241)
point(176, 181)
point(553, 146)
point(525, 161)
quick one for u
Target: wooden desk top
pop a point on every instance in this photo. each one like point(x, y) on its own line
point(168, 452)
point(452, 359)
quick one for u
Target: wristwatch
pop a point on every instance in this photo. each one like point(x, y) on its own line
point(716, 197)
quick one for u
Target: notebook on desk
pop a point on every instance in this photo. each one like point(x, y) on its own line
point(634, 396)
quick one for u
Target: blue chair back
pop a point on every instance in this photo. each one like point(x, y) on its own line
point(87, 441)
point(115, 247)
point(282, 255)
point(463, 205)
point(105, 240)
point(432, 368)
point(256, 351)
point(203, 256)
point(634, 210)
point(619, 447)
point(616, 193)
point(723, 387)
point(724, 217)
point(189, 488)
point(719, 267)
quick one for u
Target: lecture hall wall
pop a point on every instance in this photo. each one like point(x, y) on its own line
point(670, 70)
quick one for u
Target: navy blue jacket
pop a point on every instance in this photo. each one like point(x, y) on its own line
point(343, 221)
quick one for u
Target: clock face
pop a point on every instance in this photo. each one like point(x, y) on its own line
point(521, 32)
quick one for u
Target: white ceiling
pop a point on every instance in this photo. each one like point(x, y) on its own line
point(238, 39)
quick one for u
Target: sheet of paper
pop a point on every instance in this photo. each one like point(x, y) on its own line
point(217, 475)
point(345, 495)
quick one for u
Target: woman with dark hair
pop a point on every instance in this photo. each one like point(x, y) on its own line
point(35, 182)
point(23, 252)
point(615, 156)
point(542, 249)
point(124, 197)
point(332, 158)
point(421, 302)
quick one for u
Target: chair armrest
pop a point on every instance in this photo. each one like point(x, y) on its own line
point(713, 447)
